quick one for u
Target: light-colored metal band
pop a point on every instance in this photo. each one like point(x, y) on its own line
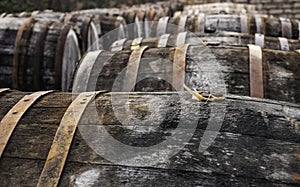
point(118, 45)
point(181, 37)
point(299, 29)
point(162, 26)
point(133, 68)
point(163, 40)
point(258, 21)
point(136, 43)
point(260, 40)
point(182, 22)
point(200, 23)
point(179, 67)
point(284, 43)
point(256, 71)
point(4, 90)
point(286, 28)
point(11, 119)
point(177, 14)
point(244, 23)
point(35, 13)
point(84, 70)
point(63, 138)
point(298, 51)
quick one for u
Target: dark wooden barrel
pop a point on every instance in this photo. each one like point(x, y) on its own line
point(37, 55)
point(212, 39)
point(257, 142)
point(110, 26)
point(83, 25)
point(210, 23)
point(273, 74)
point(217, 8)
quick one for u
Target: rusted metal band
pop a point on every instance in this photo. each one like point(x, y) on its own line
point(284, 44)
point(179, 67)
point(244, 23)
point(84, 70)
point(256, 71)
point(3, 90)
point(162, 26)
point(163, 40)
point(61, 144)
point(200, 23)
point(136, 43)
point(11, 119)
point(286, 28)
point(20, 51)
point(182, 23)
point(260, 40)
point(133, 67)
point(181, 37)
point(118, 45)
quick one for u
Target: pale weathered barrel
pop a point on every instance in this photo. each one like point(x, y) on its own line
point(37, 55)
point(201, 68)
point(256, 142)
point(217, 8)
point(83, 25)
point(270, 26)
point(211, 39)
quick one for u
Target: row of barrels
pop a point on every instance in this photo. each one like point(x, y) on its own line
point(89, 26)
point(115, 138)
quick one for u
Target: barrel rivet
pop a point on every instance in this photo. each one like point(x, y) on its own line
point(14, 112)
point(82, 102)
point(26, 100)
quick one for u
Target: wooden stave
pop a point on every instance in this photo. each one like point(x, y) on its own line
point(41, 54)
point(268, 138)
point(277, 86)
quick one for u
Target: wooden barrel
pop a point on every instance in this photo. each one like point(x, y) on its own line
point(257, 142)
point(269, 26)
point(212, 39)
point(37, 55)
point(273, 74)
point(84, 26)
point(106, 23)
point(217, 8)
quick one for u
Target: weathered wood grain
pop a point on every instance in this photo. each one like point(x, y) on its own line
point(215, 69)
point(258, 142)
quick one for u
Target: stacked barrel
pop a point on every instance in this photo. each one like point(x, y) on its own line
point(161, 94)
